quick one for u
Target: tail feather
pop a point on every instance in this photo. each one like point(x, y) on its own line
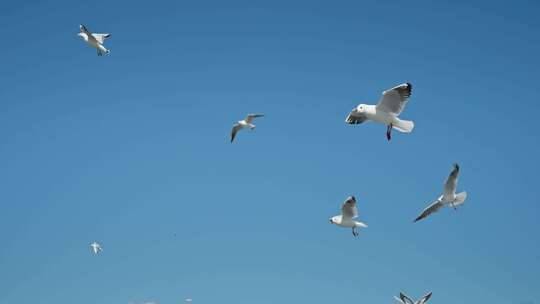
point(360, 224)
point(405, 126)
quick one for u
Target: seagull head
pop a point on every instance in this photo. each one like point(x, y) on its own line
point(361, 108)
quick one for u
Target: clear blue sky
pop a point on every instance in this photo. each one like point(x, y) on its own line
point(130, 148)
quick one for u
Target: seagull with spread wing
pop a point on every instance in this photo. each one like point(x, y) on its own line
point(349, 212)
point(246, 123)
point(449, 196)
point(94, 40)
point(96, 248)
point(403, 299)
point(390, 105)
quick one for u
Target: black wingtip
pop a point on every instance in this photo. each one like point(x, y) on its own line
point(409, 85)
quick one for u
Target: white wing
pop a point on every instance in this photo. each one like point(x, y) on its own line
point(398, 299)
point(101, 37)
point(394, 100)
point(235, 129)
point(96, 247)
point(434, 207)
point(348, 208)
point(250, 117)
point(424, 299)
point(87, 32)
point(451, 182)
point(83, 29)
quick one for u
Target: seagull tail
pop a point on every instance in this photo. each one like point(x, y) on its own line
point(460, 198)
point(361, 225)
point(405, 126)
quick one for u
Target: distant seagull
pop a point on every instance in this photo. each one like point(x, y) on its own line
point(94, 40)
point(403, 299)
point(348, 213)
point(246, 123)
point(390, 105)
point(96, 248)
point(449, 196)
point(189, 300)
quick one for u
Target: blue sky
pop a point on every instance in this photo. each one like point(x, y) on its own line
point(132, 148)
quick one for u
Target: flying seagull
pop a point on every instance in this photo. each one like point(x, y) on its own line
point(390, 105)
point(94, 40)
point(244, 124)
point(403, 299)
point(348, 213)
point(449, 196)
point(96, 248)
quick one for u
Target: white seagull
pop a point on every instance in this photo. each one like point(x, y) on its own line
point(403, 299)
point(96, 248)
point(449, 196)
point(390, 105)
point(244, 124)
point(94, 40)
point(349, 211)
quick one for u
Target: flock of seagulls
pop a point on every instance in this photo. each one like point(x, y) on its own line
point(387, 111)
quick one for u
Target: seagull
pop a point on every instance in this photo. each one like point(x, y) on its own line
point(348, 213)
point(403, 299)
point(96, 248)
point(244, 124)
point(449, 196)
point(94, 40)
point(390, 105)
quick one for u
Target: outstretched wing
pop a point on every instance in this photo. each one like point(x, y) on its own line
point(394, 100)
point(85, 30)
point(405, 299)
point(235, 129)
point(348, 208)
point(438, 204)
point(101, 37)
point(451, 182)
point(424, 299)
point(250, 117)
point(355, 118)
